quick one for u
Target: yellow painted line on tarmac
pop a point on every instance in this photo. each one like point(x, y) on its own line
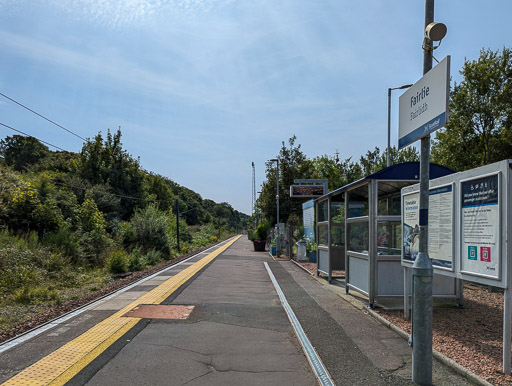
point(64, 363)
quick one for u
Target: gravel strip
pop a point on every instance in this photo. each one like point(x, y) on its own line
point(471, 336)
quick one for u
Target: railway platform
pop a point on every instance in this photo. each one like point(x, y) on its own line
point(227, 316)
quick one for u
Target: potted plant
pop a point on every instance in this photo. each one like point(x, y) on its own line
point(259, 237)
point(311, 248)
point(273, 248)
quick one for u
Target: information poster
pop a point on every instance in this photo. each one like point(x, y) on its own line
point(440, 230)
point(480, 228)
point(411, 231)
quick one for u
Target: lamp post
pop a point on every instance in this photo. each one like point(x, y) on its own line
point(389, 118)
point(422, 270)
point(278, 240)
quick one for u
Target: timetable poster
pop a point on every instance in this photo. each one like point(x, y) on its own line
point(440, 226)
point(480, 231)
point(411, 229)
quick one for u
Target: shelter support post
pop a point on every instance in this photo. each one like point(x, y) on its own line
point(329, 241)
point(317, 239)
point(372, 240)
point(406, 293)
point(459, 292)
point(507, 334)
point(347, 268)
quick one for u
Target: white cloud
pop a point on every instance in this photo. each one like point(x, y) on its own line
point(120, 13)
point(123, 13)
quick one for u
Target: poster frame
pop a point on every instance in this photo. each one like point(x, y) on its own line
point(497, 277)
point(437, 268)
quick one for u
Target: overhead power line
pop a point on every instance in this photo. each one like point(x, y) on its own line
point(28, 135)
point(42, 116)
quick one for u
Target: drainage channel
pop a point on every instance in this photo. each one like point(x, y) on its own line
point(314, 360)
point(7, 345)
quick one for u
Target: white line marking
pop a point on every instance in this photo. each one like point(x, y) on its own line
point(313, 358)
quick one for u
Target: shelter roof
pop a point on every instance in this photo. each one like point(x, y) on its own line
point(403, 172)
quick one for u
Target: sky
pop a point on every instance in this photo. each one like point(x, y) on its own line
point(202, 88)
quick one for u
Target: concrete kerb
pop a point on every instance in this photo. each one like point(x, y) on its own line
point(436, 354)
point(301, 267)
point(275, 258)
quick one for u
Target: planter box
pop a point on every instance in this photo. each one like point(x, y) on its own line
point(273, 250)
point(259, 245)
point(312, 256)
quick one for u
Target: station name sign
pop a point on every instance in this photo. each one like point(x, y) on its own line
point(423, 108)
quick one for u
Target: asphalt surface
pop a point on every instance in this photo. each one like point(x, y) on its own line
point(238, 333)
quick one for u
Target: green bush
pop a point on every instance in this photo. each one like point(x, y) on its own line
point(67, 242)
point(28, 295)
point(149, 230)
point(29, 270)
point(153, 257)
point(118, 262)
point(92, 235)
point(136, 261)
point(260, 232)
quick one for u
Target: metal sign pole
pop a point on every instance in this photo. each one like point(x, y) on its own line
point(422, 271)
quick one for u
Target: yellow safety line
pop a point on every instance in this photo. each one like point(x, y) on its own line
point(63, 364)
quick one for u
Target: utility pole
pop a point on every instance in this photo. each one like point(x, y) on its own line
point(278, 240)
point(422, 271)
point(253, 188)
point(178, 224)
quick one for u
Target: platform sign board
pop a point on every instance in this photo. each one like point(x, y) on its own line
point(423, 108)
point(308, 188)
point(480, 226)
point(307, 191)
point(440, 232)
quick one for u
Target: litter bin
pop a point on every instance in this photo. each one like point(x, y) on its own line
point(301, 251)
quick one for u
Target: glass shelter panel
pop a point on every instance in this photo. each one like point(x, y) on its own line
point(322, 234)
point(389, 206)
point(389, 203)
point(389, 234)
point(358, 202)
point(358, 233)
point(323, 211)
point(337, 212)
point(338, 235)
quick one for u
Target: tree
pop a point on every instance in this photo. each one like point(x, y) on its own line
point(480, 127)
point(20, 152)
point(105, 162)
point(293, 164)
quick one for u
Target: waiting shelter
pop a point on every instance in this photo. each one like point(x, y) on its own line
point(359, 231)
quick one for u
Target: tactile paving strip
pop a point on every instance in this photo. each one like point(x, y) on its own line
point(64, 363)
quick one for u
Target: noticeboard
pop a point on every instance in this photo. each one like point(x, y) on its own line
point(469, 216)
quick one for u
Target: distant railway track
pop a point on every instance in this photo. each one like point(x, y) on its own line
point(59, 314)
